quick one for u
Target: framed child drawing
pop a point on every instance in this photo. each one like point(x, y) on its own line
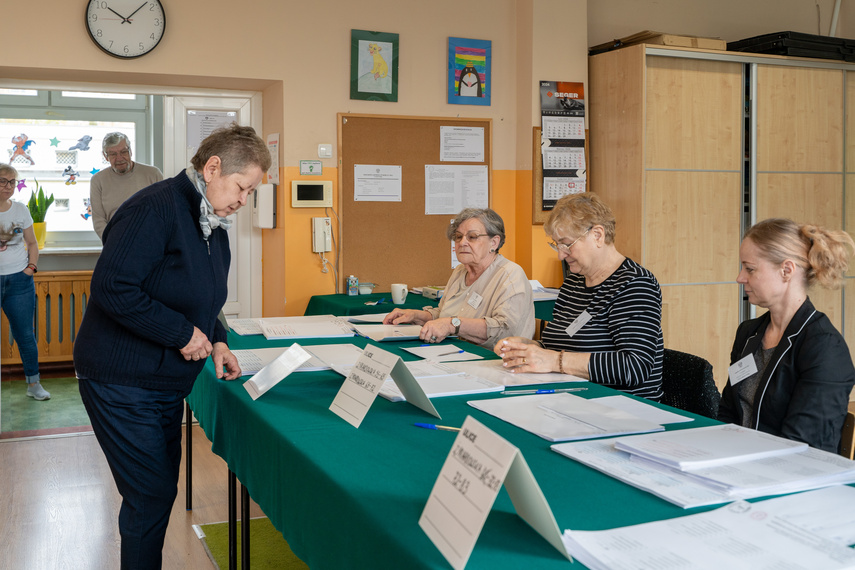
point(373, 66)
point(470, 81)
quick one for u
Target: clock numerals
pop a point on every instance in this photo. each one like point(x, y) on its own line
point(125, 28)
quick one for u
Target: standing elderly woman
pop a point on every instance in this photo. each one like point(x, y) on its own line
point(151, 323)
point(606, 325)
point(19, 256)
point(487, 296)
point(791, 372)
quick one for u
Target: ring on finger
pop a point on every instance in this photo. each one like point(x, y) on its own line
point(433, 338)
point(524, 360)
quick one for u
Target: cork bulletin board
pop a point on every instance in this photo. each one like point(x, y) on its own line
point(396, 242)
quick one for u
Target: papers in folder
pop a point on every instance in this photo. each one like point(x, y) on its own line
point(739, 477)
point(564, 417)
point(291, 328)
point(381, 333)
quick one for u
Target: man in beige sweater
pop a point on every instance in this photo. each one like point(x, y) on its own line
point(110, 187)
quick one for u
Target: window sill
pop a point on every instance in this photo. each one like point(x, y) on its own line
point(71, 250)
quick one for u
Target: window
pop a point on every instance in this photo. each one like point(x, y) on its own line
point(59, 145)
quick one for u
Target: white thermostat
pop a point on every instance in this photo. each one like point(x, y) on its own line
point(311, 194)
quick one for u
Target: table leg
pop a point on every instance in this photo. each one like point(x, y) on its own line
point(188, 446)
point(232, 522)
point(244, 528)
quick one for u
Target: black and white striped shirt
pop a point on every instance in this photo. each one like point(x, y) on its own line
point(624, 335)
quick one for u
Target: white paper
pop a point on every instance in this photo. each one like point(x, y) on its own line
point(461, 144)
point(244, 327)
point(276, 371)
point(697, 448)
point(642, 409)
point(273, 147)
point(563, 416)
point(376, 318)
point(555, 188)
point(376, 183)
point(442, 386)
point(443, 353)
point(821, 512)
point(380, 333)
point(362, 385)
point(302, 327)
point(739, 536)
point(564, 158)
point(493, 371)
point(562, 127)
point(741, 369)
point(451, 188)
point(464, 492)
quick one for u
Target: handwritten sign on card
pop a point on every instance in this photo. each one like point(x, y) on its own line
point(365, 379)
point(479, 463)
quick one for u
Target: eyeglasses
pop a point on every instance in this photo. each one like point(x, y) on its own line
point(8, 182)
point(471, 236)
point(112, 155)
point(563, 247)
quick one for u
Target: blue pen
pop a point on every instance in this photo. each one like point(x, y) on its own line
point(452, 352)
point(552, 391)
point(433, 426)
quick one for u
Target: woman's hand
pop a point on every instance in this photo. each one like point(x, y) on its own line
point(525, 355)
point(199, 347)
point(224, 358)
point(436, 330)
point(407, 316)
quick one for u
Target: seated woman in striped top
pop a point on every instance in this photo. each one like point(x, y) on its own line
point(606, 325)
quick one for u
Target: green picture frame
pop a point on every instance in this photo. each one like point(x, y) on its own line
point(373, 66)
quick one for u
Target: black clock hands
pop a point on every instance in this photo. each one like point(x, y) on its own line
point(119, 15)
point(135, 11)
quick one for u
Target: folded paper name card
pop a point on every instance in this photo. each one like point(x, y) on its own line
point(276, 371)
point(365, 379)
point(479, 463)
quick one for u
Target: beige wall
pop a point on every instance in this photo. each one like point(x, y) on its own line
point(729, 20)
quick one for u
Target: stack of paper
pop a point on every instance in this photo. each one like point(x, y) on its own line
point(380, 333)
point(703, 475)
point(443, 353)
point(788, 532)
point(436, 379)
point(493, 371)
point(564, 417)
point(541, 293)
point(323, 357)
point(244, 327)
point(292, 328)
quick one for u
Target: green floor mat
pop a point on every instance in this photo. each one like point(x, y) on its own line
point(20, 413)
point(267, 548)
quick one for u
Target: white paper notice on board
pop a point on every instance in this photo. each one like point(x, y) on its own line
point(273, 147)
point(450, 188)
point(376, 183)
point(461, 144)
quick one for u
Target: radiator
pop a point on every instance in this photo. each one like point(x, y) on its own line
point(61, 298)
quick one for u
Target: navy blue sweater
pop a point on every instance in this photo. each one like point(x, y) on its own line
point(156, 279)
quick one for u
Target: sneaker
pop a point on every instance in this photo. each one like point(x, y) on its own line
point(36, 391)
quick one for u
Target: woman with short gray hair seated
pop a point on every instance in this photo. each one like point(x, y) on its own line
point(487, 297)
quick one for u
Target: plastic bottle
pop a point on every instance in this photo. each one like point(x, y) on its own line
point(352, 285)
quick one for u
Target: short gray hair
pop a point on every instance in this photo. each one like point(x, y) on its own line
point(112, 139)
point(493, 223)
point(8, 168)
point(239, 147)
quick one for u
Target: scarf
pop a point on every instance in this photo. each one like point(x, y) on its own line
point(208, 220)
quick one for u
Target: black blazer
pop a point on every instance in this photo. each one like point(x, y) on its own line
point(804, 392)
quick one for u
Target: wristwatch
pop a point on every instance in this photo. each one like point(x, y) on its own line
point(456, 323)
point(33, 267)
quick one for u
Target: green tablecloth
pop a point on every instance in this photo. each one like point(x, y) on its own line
point(351, 498)
point(345, 305)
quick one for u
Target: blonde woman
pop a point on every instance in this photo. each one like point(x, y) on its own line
point(799, 371)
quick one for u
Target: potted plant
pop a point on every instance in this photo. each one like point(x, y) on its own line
point(38, 206)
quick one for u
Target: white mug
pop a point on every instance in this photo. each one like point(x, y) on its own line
point(399, 293)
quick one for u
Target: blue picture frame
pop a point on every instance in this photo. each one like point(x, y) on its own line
point(470, 80)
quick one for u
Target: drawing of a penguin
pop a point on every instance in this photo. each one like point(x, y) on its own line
point(470, 82)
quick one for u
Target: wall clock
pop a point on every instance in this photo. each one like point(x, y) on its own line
point(126, 28)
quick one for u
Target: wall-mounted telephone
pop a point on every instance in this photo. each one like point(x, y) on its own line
point(321, 235)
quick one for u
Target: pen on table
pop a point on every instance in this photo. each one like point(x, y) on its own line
point(432, 426)
point(452, 352)
point(550, 391)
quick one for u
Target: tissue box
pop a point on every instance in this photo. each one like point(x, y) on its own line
point(432, 292)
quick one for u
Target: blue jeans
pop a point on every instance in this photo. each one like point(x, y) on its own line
point(139, 431)
point(18, 301)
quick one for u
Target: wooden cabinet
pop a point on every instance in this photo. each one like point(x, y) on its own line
point(689, 147)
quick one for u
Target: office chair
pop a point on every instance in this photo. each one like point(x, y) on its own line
point(847, 438)
point(688, 384)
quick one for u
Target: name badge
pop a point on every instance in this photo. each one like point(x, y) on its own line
point(578, 323)
point(475, 300)
point(742, 369)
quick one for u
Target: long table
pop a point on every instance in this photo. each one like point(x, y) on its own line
point(348, 305)
point(351, 498)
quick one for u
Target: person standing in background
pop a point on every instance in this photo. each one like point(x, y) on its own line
point(19, 256)
point(110, 187)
